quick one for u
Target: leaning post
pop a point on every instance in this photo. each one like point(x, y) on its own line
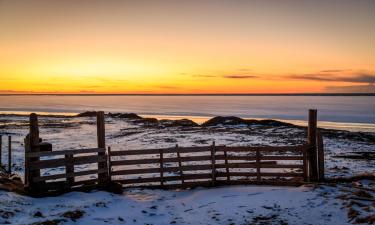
point(311, 136)
point(102, 165)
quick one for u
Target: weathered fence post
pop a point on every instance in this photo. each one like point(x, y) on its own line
point(69, 169)
point(320, 146)
point(213, 162)
point(109, 163)
point(180, 165)
point(9, 154)
point(1, 147)
point(102, 166)
point(32, 145)
point(226, 163)
point(311, 135)
point(161, 167)
point(258, 165)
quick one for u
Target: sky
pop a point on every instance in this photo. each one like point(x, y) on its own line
point(187, 47)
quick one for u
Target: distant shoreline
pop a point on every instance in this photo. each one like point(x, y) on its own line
point(228, 94)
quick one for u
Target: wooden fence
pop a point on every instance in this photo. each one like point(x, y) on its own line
point(209, 166)
point(175, 167)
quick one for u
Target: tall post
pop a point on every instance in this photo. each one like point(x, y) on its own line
point(32, 145)
point(102, 166)
point(320, 146)
point(311, 136)
point(9, 154)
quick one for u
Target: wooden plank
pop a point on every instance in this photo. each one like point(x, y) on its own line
point(277, 157)
point(156, 160)
point(174, 186)
point(296, 148)
point(262, 174)
point(51, 163)
point(9, 154)
point(64, 152)
point(311, 137)
point(86, 182)
point(67, 175)
point(225, 156)
point(213, 161)
point(320, 146)
point(165, 150)
point(166, 178)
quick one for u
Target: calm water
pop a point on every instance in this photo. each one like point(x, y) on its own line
point(335, 110)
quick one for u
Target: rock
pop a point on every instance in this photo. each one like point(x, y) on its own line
point(50, 222)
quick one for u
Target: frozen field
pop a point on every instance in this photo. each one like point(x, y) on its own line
point(225, 205)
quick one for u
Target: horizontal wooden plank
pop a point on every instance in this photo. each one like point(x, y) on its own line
point(85, 182)
point(298, 148)
point(191, 184)
point(157, 160)
point(280, 157)
point(165, 178)
point(68, 175)
point(51, 163)
point(235, 157)
point(64, 152)
point(164, 150)
point(254, 174)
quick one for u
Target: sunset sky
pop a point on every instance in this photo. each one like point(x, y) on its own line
point(238, 46)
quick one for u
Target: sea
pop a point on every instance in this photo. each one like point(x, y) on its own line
point(354, 113)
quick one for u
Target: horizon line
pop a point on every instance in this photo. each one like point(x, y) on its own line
point(187, 94)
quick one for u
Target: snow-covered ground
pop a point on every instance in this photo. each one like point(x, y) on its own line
point(224, 205)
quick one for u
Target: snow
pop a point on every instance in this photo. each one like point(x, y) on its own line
point(224, 205)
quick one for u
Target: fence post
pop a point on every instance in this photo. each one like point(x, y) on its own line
point(32, 145)
point(258, 165)
point(69, 169)
point(9, 154)
point(161, 167)
point(226, 163)
point(320, 146)
point(102, 176)
point(180, 165)
point(213, 161)
point(109, 163)
point(311, 135)
point(1, 147)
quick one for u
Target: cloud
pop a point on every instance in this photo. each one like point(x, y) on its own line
point(234, 76)
point(333, 71)
point(370, 88)
point(203, 75)
point(357, 78)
